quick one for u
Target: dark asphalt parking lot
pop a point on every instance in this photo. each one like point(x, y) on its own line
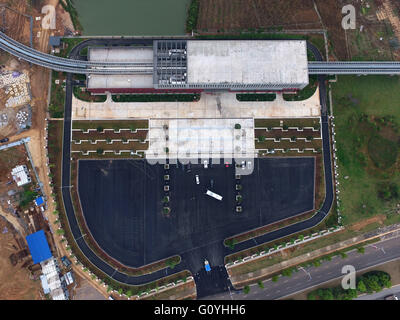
point(122, 203)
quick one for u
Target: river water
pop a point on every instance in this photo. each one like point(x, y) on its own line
point(132, 17)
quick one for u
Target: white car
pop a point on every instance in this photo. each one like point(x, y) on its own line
point(197, 179)
point(243, 165)
point(205, 164)
point(248, 164)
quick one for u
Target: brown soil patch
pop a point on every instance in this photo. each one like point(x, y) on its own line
point(250, 14)
point(363, 223)
point(15, 282)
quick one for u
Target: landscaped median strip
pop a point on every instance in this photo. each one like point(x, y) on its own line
point(239, 280)
point(287, 245)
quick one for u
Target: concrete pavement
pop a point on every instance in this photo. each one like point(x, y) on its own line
point(215, 106)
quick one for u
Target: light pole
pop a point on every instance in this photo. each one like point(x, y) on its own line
point(307, 273)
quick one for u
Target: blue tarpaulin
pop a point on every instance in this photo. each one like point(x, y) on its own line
point(38, 246)
point(39, 201)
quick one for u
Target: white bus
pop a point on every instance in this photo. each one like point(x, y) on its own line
point(214, 195)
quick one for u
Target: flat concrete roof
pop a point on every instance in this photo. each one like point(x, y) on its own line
point(121, 54)
point(120, 81)
point(247, 61)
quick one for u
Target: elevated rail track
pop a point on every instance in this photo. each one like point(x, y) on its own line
point(31, 55)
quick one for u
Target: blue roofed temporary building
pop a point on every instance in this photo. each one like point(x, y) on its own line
point(39, 201)
point(38, 246)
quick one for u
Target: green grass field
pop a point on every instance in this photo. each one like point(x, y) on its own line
point(367, 119)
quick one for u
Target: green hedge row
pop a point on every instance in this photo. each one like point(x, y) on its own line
point(192, 15)
point(370, 282)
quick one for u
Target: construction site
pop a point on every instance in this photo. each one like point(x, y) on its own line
point(24, 90)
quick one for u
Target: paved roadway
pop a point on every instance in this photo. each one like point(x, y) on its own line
point(192, 259)
point(395, 290)
point(375, 254)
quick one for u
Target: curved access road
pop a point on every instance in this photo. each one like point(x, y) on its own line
point(192, 260)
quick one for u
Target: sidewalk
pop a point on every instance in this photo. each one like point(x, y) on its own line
point(214, 106)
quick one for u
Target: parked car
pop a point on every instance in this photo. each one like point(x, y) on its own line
point(197, 179)
point(205, 164)
point(392, 297)
point(4, 140)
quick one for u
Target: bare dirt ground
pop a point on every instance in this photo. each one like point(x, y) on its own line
point(15, 283)
point(250, 14)
point(363, 223)
point(85, 291)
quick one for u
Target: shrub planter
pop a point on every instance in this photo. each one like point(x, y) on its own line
point(166, 188)
point(166, 166)
point(238, 187)
point(166, 211)
point(166, 177)
point(239, 199)
point(238, 208)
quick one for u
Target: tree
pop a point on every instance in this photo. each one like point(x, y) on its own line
point(275, 278)
point(129, 293)
point(260, 284)
point(287, 272)
point(325, 294)
point(170, 263)
point(361, 286)
point(350, 294)
point(231, 243)
point(384, 279)
point(361, 250)
point(100, 129)
point(261, 139)
point(165, 199)
point(372, 284)
point(316, 263)
point(238, 126)
point(312, 296)
point(246, 289)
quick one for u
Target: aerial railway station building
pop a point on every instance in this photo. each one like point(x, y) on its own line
point(174, 66)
